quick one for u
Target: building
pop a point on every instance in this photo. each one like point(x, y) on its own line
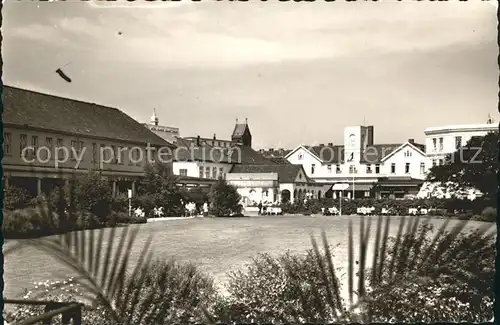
point(202, 160)
point(441, 142)
point(241, 136)
point(444, 140)
point(167, 133)
point(274, 183)
point(371, 170)
point(72, 137)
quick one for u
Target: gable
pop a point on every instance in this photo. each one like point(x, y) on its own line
point(300, 155)
point(406, 151)
point(300, 177)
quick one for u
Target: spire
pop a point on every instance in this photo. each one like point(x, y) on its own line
point(236, 120)
point(246, 120)
point(154, 118)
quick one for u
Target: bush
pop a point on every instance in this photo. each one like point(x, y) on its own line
point(119, 203)
point(117, 218)
point(454, 288)
point(15, 198)
point(270, 291)
point(177, 291)
point(489, 214)
point(224, 199)
point(29, 222)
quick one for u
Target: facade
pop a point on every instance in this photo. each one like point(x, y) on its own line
point(241, 136)
point(167, 133)
point(444, 140)
point(274, 183)
point(371, 170)
point(84, 136)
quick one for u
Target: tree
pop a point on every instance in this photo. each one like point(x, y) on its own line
point(94, 194)
point(473, 166)
point(158, 189)
point(224, 199)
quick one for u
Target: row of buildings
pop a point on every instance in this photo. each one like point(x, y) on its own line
point(38, 126)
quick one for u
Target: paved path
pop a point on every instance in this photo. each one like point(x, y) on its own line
point(169, 218)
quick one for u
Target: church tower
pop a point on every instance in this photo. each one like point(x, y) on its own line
point(241, 134)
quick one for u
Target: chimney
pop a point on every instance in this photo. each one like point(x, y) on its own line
point(412, 141)
point(271, 149)
point(198, 140)
point(215, 138)
point(330, 144)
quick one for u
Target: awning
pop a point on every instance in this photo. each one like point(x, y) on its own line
point(359, 187)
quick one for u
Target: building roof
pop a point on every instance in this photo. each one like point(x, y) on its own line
point(335, 154)
point(205, 152)
point(239, 130)
point(27, 108)
point(485, 127)
point(286, 173)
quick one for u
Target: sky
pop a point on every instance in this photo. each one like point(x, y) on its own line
point(300, 72)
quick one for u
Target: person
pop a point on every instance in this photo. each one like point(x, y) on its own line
point(205, 209)
point(260, 208)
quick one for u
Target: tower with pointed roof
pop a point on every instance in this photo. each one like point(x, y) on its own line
point(154, 119)
point(241, 134)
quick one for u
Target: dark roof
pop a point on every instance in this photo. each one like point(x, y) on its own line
point(239, 130)
point(274, 153)
point(286, 173)
point(187, 150)
point(29, 108)
point(329, 154)
point(279, 160)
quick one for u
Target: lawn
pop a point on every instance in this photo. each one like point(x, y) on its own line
point(217, 245)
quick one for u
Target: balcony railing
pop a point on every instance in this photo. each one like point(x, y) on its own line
point(69, 311)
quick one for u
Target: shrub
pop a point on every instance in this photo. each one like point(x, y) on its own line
point(224, 199)
point(15, 198)
point(489, 214)
point(119, 203)
point(117, 218)
point(29, 222)
point(454, 288)
point(176, 293)
point(287, 288)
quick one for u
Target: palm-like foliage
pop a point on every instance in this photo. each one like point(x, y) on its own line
point(102, 262)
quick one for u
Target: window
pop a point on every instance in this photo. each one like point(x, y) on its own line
point(94, 152)
point(23, 143)
point(48, 142)
point(34, 144)
point(60, 143)
point(73, 149)
point(407, 168)
point(329, 168)
point(352, 169)
point(221, 172)
point(434, 162)
point(440, 144)
point(312, 168)
point(201, 171)
point(7, 140)
point(214, 172)
point(393, 168)
point(105, 153)
point(207, 172)
point(407, 153)
point(434, 144)
point(368, 169)
point(337, 169)
point(377, 169)
point(422, 168)
point(441, 162)
point(183, 172)
point(300, 156)
point(458, 142)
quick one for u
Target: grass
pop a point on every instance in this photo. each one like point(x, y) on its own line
point(217, 245)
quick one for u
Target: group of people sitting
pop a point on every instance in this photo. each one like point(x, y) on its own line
point(190, 209)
